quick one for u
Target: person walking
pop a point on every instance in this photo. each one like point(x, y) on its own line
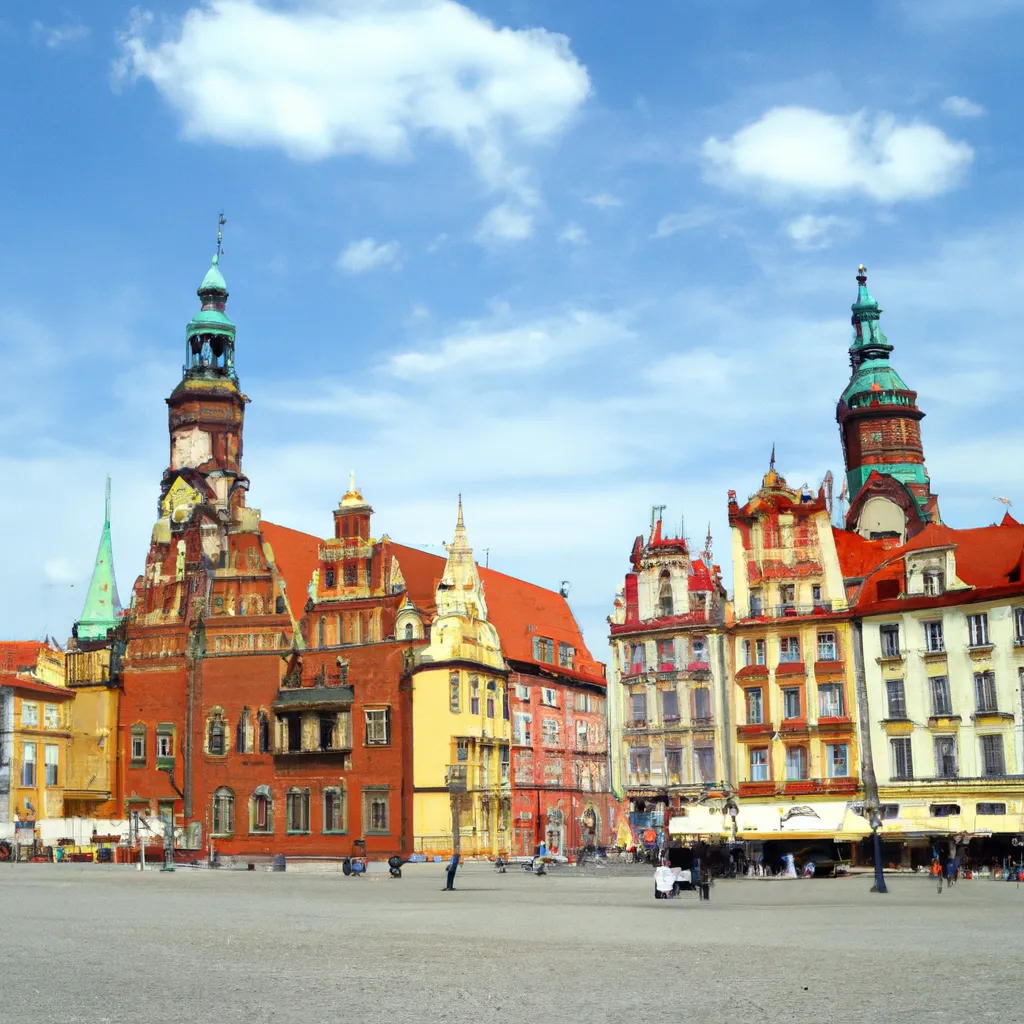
point(453, 865)
point(950, 872)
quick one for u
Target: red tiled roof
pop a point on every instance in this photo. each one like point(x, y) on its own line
point(20, 655)
point(700, 576)
point(514, 605)
point(984, 556)
point(1008, 520)
point(858, 555)
point(519, 610)
point(296, 556)
point(31, 686)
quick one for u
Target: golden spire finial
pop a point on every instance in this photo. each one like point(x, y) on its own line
point(351, 481)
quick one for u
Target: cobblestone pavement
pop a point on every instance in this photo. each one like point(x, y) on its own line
point(89, 943)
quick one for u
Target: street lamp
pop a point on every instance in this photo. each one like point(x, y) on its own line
point(876, 824)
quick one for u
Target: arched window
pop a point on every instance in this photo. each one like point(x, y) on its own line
point(261, 810)
point(410, 631)
point(334, 809)
point(223, 811)
point(243, 742)
point(263, 728)
point(215, 732)
point(665, 594)
point(297, 810)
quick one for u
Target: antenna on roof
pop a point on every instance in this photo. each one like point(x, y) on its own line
point(656, 512)
point(565, 588)
point(487, 558)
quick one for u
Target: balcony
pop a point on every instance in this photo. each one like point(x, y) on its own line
point(757, 789)
point(754, 730)
point(790, 668)
point(846, 784)
point(802, 787)
point(793, 726)
point(792, 611)
point(991, 716)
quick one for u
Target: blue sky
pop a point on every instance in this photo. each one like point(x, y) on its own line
point(571, 259)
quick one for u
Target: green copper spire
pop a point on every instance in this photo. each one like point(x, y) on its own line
point(214, 280)
point(102, 605)
point(874, 380)
point(210, 334)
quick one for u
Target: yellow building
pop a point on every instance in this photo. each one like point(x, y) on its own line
point(797, 762)
point(460, 719)
point(34, 744)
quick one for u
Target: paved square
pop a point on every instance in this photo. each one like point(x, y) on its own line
point(110, 944)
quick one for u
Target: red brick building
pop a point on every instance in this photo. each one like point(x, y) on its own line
point(266, 704)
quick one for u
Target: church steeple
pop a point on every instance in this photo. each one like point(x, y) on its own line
point(879, 423)
point(102, 605)
point(210, 334)
point(461, 591)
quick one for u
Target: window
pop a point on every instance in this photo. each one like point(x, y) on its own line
point(888, 810)
point(796, 763)
point(492, 690)
point(223, 811)
point(837, 760)
point(378, 727)
point(827, 649)
point(521, 722)
point(522, 693)
point(700, 651)
point(830, 701)
point(296, 803)
point(474, 695)
point(164, 744)
point(977, 630)
point(506, 756)
point(889, 635)
point(760, 652)
point(670, 705)
point(897, 698)
point(334, 809)
point(543, 649)
point(755, 709)
point(666, 655)
point(933, 641)
point(640, 760)
point(636, 659)
point(787, 593)
point(350, 574)
point(704, 761)
point(330, 579)
point(504, 702)
point(583, 702)
point(985, 692)
point(261, 810)
point(944, 810)
point(50, 761)
point(902, 758)
point(462, 751)
point(243, 742)
point(50, 717)
point(1018, 625)
point(992, 759)
point(983, 808)
point(549, 732)
point(453, 688)
point(28, 763)
point(945, 757)
point(549, 697)
point(581, 735)
point(165, 811)
point(934, 583)
point(29, 715)
point(639, 703)
point(791, 702)
point(263, 727)
point(701, 705)
point(816, 593)
point(747, 649)
point(566, 655)
point(665, 594)
point(215, 730)
point(789, 648)
point(138, 744)
point(674, 765)
point(755, 604)
point(759, 765)
point(376, 816)
point(942, 703)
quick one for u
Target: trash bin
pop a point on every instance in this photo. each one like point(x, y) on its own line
point(278, 863)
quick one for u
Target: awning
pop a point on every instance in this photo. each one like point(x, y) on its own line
point(822, 819)
point(699, 821)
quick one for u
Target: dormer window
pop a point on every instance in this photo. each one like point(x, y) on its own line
point(665, 606)
point(934, 583)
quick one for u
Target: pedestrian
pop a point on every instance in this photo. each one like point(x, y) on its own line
point(704, 881)
point(452, 867)
point(664, 882)
point(499, 865)
point(950, 872)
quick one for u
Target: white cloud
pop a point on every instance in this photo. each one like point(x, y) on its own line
point(603, 200)
point(321, 78)
point(366, 254)
point(801, 150)
point(811, 232)
point(56, 37)
point(960, 106)
point(495, 349)
point(573, 234)
point(505, 222)
point(673, 223)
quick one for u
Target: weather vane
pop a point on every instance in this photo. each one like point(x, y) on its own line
point(221, 221)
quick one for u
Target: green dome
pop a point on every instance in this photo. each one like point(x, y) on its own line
point(214, 280)
point(211, 321)
point(875, 377)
